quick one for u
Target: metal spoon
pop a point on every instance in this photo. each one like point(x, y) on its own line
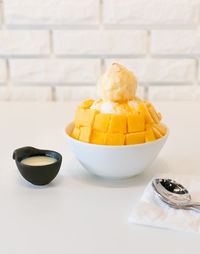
point(174, 194)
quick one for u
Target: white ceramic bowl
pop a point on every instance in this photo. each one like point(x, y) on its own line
point(115, 162)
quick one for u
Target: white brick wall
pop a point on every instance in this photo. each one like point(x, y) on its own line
point(56, 50)
point(165, 93)
point(54, 70)
point(75, 93)
point(24, 42)
point(175, 42)
point(25, 93)
point(37, 12)
point(107, 42)
point(151, 12)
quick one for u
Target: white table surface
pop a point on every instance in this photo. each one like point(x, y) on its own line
point(79, 213)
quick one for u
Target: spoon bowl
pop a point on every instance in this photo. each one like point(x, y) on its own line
point(173, 193)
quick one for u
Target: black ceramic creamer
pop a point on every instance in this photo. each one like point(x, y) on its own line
point(38, 175)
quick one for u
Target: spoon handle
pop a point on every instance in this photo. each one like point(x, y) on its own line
point(195, 206)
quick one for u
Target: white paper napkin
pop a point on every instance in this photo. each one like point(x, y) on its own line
point(151, 211)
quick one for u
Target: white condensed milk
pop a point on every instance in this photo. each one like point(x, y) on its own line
point(38, 160)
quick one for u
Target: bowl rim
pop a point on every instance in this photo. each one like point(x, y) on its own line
point(115, 147)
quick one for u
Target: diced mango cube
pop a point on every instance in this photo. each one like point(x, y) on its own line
point(101, 122)
point(136, 122)
point(75, 133)
point(90, 116)
point(87, 104)
point(114, 139)
point(149, 135)
point(97, 138)
point(85, 117)
point(144, 110)
point(135, 138)
point(161, 128)
point(159, 116)
point(85, 134)
point(117, 124)
point(78, 116)
point(156, 116)
point(153, 114)
point(156, 132)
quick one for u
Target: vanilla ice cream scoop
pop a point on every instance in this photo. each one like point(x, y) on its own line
point(117, 84)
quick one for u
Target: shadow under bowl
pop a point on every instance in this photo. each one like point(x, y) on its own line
point(37, 175)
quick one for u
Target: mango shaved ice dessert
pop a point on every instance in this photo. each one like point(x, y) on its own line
point(118, 117)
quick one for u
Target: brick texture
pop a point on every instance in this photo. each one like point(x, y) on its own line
point(39, 12)
point(25, 93)
point(185, 93)
point(107, 42)
point(24, 42)
point(31, 94)
point(175, 42)
point(154, 12)
point(64, 46)
point(54, 70)
point(75, 93)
